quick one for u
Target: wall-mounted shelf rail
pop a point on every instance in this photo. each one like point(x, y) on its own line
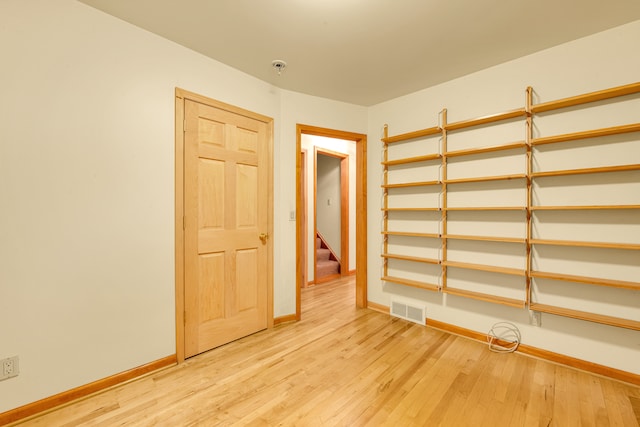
point(579, 244)
point(408, 160)
point(583, 315)
point(621, 168)
point(490, 149)
point(411, 234)
point(411, 209)
point(485, 238)
point(412, 283)
point(486, 178)
point(488, 268)
point(622, 284)
point(487, 208)
point(411, 184)
point(412, 258)
point(511, 302)
point(412, 135)
point(594, 133)
point(587, 98)
point(498, 117)
point(582, 207)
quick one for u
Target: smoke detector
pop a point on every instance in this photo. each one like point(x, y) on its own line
point(278, 65)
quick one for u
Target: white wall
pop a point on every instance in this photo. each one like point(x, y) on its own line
point(87, 189)
point(597, 62)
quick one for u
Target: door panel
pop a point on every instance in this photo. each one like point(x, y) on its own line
point(226, 193)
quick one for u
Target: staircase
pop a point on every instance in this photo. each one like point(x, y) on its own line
point(327, 266)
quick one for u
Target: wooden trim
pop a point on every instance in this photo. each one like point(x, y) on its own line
point(179, 225)
point(587, 98)
point(481, 150)
point(412, 283)
point(361, 206)
point(314, 213)
point(378, 307)
point(270, 207)
point(547, 355)
point(344, 216)
point(520, 112)
point(511, 302)
point(69, 396)
point(583, 315)
point(412, 135)
point(181, 93)
point(285, 319)
point(352, 272)
point(302, 275)
point(302, 230)
point(180, 96)
point(574, 136)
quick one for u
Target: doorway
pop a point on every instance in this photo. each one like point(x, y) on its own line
point(331, 207)
point(360, 141)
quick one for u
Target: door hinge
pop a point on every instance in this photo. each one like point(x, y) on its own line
point(184, 222)
point(184, 125)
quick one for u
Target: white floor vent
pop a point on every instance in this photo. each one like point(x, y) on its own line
point(410, 311)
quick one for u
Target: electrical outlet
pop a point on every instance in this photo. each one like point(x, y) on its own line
point(9, 367)
point(535, 318)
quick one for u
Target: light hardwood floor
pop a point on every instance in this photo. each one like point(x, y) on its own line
point(342, 366)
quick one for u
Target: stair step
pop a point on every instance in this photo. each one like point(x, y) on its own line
point(322, 254)
point(326, 268)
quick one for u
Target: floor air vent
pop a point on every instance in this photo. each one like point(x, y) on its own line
point(408, 311)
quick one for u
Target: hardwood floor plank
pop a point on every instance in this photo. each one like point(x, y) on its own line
point(343, 366)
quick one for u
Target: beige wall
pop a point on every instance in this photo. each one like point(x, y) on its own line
point(87, 189)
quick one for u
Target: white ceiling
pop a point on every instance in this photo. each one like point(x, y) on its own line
point(368, 51)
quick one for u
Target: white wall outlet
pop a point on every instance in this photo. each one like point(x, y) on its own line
point(535, 318)
point(292, 215)
point(9, 368)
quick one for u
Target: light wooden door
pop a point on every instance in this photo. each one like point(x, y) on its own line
point(226, 201)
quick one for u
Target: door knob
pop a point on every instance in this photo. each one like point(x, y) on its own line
point(264, 237)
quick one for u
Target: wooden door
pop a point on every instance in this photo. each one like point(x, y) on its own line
point(226, 201)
